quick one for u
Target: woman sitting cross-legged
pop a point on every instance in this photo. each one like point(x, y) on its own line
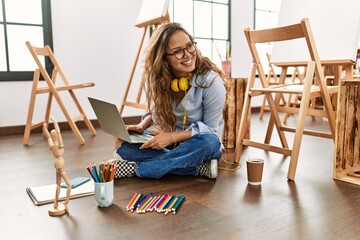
point(185, 93)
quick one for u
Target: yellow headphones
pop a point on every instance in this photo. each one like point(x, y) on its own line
point(180, 84)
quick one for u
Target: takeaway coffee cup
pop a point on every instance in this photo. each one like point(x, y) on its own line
point(254, 170)
point(104, 193)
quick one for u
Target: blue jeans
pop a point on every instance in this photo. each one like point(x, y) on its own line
point(185, 159)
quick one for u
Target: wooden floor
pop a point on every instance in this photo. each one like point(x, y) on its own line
point(314, 206)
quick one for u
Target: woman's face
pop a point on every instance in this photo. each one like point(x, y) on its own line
point(182, 62)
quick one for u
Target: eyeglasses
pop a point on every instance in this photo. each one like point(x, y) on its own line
point(180, 53)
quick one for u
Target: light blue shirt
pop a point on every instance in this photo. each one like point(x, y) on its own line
point(204, 105)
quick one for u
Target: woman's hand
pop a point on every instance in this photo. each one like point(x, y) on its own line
point(135, 128)
point(117, 143)
point(159, 141)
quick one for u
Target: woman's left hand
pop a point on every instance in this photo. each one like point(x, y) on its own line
point(159, 141)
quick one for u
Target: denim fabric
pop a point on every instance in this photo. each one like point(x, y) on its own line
point(184, 159)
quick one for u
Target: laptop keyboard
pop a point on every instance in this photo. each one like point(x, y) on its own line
point(140, 138)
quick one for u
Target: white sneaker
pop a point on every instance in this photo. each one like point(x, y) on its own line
point(209, 169)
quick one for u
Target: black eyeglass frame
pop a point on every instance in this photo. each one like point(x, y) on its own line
point(193, 44)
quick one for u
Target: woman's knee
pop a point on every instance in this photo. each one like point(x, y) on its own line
point(209, 140)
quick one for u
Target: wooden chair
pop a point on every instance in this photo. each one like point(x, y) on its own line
point(272, 79)
point(307, 90)
point(293, 101)
point(53, 88)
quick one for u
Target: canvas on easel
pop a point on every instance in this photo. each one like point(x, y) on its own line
point(330, 22)
point(152, 13)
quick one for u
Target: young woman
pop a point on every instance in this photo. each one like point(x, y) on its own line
point(185, 96)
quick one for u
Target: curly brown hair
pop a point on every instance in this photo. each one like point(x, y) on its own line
point(158, 75)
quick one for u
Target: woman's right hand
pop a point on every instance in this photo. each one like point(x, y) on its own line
point(135, 128)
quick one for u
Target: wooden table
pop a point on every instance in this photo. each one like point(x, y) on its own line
point(337, 65)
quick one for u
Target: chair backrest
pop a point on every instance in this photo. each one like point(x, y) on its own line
point(285, 33)
point(47, 52)
point(301, 30)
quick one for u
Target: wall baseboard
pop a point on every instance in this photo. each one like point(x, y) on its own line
point(14, 130)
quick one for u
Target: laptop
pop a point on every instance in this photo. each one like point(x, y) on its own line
point(112, 123)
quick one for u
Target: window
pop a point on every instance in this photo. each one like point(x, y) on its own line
point(21, 21)
point(266, 16)
point(208, 22)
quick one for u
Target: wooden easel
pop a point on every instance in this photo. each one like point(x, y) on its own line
point(155, 23)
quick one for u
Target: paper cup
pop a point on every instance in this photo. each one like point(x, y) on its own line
point(254, 170)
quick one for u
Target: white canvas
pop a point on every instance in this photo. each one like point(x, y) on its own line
point(335, 26)
point(152, 9)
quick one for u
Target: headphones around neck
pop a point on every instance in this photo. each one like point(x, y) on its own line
point(180, 84)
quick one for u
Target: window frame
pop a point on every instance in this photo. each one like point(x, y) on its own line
point(269, 46)
point(213, 39)
point(48, 40)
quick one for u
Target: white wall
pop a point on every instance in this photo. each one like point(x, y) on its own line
point(93, 41)
point(242, 16)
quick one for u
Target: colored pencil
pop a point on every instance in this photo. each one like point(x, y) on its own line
point(151, 203)
point(137, 200)
point(164, 204)
point(157, 201)
point(167, 205)
point(161, 201)
point(93, 170)
point(131, 202)
point(143, 200)
point(176, 208)
point(96, 172)
point(101, 178)
point(89, 170)
point(141, 208)
point(108, 174)
point(169, 209)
